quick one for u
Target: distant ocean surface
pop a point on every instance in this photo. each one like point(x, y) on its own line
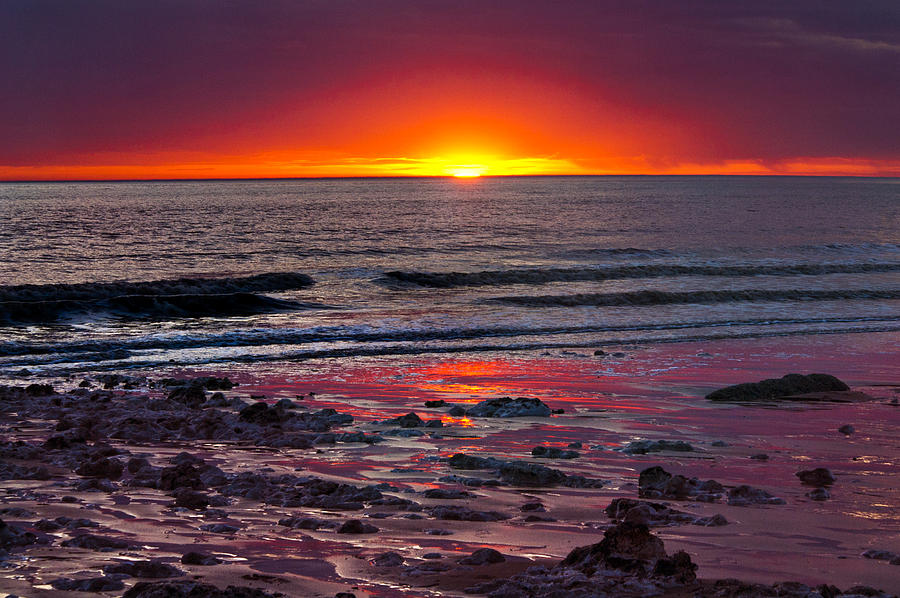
point(147, 274)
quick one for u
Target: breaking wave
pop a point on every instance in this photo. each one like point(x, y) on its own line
point(92, 291)
point(649, 297)
point(547, 275)
point(151, 307)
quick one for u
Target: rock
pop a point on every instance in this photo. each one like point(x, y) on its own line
point(191, 589)
point(779, 388)
point(191, 499)
point(882, 555)
point(260, 413)
point(459, 513)
point(432, 555)
point(220, 528)
point(355, 526)
point(642, 447)
point(10, 536)
point(655, 482)
point(110, 469)
point(847, 429)
point(509, 407)
point(467, 481)
point(530, 474)
point(718, 443)
point(463, 461)
point(94, 542)
point(183, 475)
point(387, 559)
point(760, 457)
point(345, 595)
point(92, 584)
point(436, 403)
point(442, 493)
point(627, 546)
point(456, 411)
point(438, 532)
point(483, 556)
point(819, 494)
point(657, 514)
point(285, 404)
point(311, 523)
point(745, 495)
point(816, 477)
point(199, 558)
point(553, 452)
point(192, 396)
point(410, 420)
point(147, 569)
point(531, 507)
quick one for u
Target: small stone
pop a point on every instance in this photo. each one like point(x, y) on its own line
point(199, 558)
point(760, 457)
point(819, 494)
point(846, 429)
point(387, 559)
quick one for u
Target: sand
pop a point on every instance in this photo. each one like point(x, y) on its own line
point(606, 401)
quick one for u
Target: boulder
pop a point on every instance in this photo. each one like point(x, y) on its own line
point(785, 387)
point(509, 407)
point(483, 556)
point(816, 477)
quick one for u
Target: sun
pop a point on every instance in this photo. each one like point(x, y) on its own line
point(466, 171)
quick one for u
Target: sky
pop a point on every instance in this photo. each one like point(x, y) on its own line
point(112, 89)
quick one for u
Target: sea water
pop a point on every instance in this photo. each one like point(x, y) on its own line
point(115, 275)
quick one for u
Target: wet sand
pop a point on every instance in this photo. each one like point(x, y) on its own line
point(608, 401)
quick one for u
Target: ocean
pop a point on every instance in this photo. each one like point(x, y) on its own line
point(120, 275)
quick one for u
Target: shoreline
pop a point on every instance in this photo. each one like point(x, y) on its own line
point(649, 393)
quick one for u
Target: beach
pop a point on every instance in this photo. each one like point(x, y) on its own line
point(606, 402)
point(426, 387)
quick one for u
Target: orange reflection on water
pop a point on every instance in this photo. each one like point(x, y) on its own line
point(464, 422)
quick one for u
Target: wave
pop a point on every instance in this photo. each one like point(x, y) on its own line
point(92, 350)
point(93, 291)
point(151, 307)
point(547, 275)
point(643, 298)
point(405, 349)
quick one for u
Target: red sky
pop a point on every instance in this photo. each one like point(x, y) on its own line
point(231, 88)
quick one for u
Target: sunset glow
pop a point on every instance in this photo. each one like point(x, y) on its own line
point(314, 90)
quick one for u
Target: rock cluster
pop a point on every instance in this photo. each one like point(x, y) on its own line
point(779, 388)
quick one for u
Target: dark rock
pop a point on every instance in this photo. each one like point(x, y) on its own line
point(642, 447)
point(199, 558)
point(136, 464)
point(438, 532)
point(220, 528)
point(657, 514)
point(456, 411)
point(816, 477)
point(629, 547)
point(10, 536)
point(847, 429)
point(39, 390)
point(459, 513)
point(531, 507)
point(760, 457)
point(387, 559)
point(93, 584)
point(530, 474)
point(819, 494)
point(463, 461)
point(345, 595)
point(355, 526)
point(432, 555)
point(192, 396)
point(261, 413)
point(655, 482)
point(183, 475)
point(437, 403)
point(744, 495)
point(575, 445)
point(410, 420)
point(146, 569)
point(447, 494)
point(94, 542)
point(483, 556)
point(552, 452)
point(310, 523)
point(191, 589)
point(467, 481)
point(110, 469)
point(778, 388)
point(191, 499)
point(509, 407)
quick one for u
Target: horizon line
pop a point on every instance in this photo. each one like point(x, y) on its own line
point(452, 177)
